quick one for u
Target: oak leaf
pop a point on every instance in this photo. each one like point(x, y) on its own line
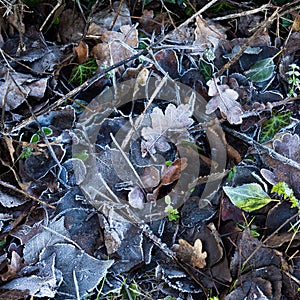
point(192, 255)
point(224, 98)
point(173, 120)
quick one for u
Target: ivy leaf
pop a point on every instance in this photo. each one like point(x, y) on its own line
point(224, 98)
point(261, 71)
point(206, 69)
point(248, 197)
point(273, 125)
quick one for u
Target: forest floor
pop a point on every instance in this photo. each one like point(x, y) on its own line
point(149, 149)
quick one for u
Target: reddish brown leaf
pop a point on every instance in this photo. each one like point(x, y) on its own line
point(172, 172)
point(82, 51)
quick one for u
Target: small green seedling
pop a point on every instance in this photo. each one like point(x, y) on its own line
point(173, 213)
point(27, 151)
point(293, 80)
point(83, 71)
point(282, 189)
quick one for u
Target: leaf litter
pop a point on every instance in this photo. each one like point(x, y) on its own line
point(240, 242)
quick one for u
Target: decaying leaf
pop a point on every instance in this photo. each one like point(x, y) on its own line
point(116, 46)
point(208, 34)
point(169, 175)
point(288, 146)
point(82, 51)
point(224, 98)
point(192, 255)
point(175, 119)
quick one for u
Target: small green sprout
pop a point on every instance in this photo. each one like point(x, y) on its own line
point(83, 71)
point(35, 138)
point(293, 80)
point(173, 213)
point(282, 189)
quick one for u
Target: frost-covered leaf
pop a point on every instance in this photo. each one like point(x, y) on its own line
point(288, 146)
point(237, 48)
point(44, 283)
point(248, 197)
point(46, 238)
point(208, 34)
point(193, 255)
point(76, 267)
point(261, 71)
point(224, 98)
point(174, 119)
point(16, 90)
point(10, 201)
point(273, 125)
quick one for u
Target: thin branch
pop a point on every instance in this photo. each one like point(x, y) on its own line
point(9, 186)
point(272, 153)
point(263, 26)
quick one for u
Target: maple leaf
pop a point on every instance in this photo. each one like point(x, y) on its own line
point(174, 120)
point(192, 255)
point(224, 98)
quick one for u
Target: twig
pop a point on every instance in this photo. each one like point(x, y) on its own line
point(76, 285)
point(263, 26)
point(242, 14)
point(140, 118)
point(127, 160)
point(263, 148)
point(56, 7)
point(269, 237)
point(9, 186)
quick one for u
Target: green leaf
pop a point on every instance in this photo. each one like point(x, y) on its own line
point(282, 189)
point(83, 71)
point(35, 138)
point(273, 125)
point(47, 131)
point(26, 152)
point(248, 197)
point(261, 71)
point(83, 155)
point(206, 69)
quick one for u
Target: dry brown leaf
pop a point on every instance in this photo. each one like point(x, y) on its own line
point(169, 175)
point(224, 98)
point(116, 46)
point(208, 34)
point(192, 255)
point(172, 172)
point(82, 51)
point(153, 24)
